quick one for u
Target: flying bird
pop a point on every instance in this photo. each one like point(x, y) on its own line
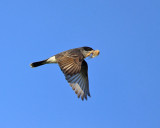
point(74, 67)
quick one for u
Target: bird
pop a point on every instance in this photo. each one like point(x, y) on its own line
point(72, 63)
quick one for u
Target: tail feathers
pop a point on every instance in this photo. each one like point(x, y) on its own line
point(39, 63)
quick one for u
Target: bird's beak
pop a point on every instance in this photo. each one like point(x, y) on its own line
point(93, 53)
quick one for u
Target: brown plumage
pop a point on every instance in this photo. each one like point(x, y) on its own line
point(74, 67)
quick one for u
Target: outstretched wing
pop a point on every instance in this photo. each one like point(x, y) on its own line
point(70, 66)
point(79, 81)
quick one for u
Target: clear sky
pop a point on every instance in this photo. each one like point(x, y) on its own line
point(124, 78)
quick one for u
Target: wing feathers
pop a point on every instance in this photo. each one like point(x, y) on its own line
point(79, 84)
point(76, 73)
point(69, 66)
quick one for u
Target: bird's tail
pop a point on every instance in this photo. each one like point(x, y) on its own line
point(39, 63)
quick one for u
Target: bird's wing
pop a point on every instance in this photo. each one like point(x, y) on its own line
point(70, 65)
point(79, 82)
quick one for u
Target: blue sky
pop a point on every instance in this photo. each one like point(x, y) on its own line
point(124, 78)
